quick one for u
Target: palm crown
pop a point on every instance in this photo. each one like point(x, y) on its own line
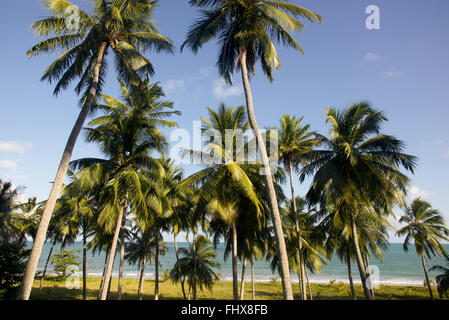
point(247, 26)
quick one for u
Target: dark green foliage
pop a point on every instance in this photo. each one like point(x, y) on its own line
point(13, 258)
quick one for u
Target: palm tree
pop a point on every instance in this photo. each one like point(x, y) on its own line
point(127, 133)
point(245, 29)
point(443, 278)
point(426, 227)
point(196, 265)
point(295, 140)
point(358, 172)
point(8, 202)
point(225, 185)
point(123, 26)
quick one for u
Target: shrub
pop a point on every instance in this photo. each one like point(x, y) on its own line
point(13, 257)
point(61, 262)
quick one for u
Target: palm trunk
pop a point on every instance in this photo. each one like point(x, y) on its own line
point(84, 258)
point(33, 260)
point(156, 284)
point(308, 285)
point(242, 282)
point(253, 291)
point(112, 255)
point(46, 265)
point(282, 251)
point(142, 274)
point(234, 263)
point(298, 271)
point(103, 275)
point(371, 284)
point(351, 282)
point(423, 259)
point(360, 263)
point(122, 256)
point(179, 267)
point(298, 234)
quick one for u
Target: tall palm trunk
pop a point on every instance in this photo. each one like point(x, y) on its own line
point(84, 258)
point(282, 251)
point(112, 251)
point(156, 260)
point(371, 284)
point(298, 234)
point(142, 274)
point(103, 275)
point(242, 282)
point(360, 263)
point(33, 260)
point(423, 259)
point(234, 263)
point(308, 285)
point(46, 265)
point(253, 292)
point(351, 282)
point(298, 271)
point(122, 256)
point(179, 267)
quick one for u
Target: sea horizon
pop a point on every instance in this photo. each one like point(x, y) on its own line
point(397, 267)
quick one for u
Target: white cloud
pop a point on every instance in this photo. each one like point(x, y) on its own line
point(392, 74)
point(416, 192)
point(371, 57)
point(221, 90)
point(14, 146)
point(8, 165)
point(205, 72)
point(173, 85)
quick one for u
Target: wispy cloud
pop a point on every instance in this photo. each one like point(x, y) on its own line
point(221, 90)
point(432, 142)
point(173, 85)
point(416, 192)
point(14, 146)
point(371, 57)
point(391, 73)
point(8, 165)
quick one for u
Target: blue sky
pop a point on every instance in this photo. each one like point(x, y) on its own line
point(402, 68)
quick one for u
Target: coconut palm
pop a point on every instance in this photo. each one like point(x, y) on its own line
point(196, 265)
point(9, 200)
point(425, 226)
point(127, 133)
point(295, 140)
point(123, 26)
point(358, 172)
point(225, 185)
point(245, 29)
point(443, 278)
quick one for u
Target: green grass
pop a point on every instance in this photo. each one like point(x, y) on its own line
point(56, 290)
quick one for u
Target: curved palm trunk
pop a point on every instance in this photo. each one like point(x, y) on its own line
point(234, 264)
point(423, 259)
point(351, 282)
point(142, 274)
point(46, 265)
point(179, 267)
point(242, 282)
point(84, 258)
point(360, 263)
point(122, 256)
point(253, 292)
point(282, 251)
point(103, 275)
point(298, 234)
point(108, 276)
point(33, 260)
point(156, 260)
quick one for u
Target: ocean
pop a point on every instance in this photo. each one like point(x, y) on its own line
point(397, 268)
